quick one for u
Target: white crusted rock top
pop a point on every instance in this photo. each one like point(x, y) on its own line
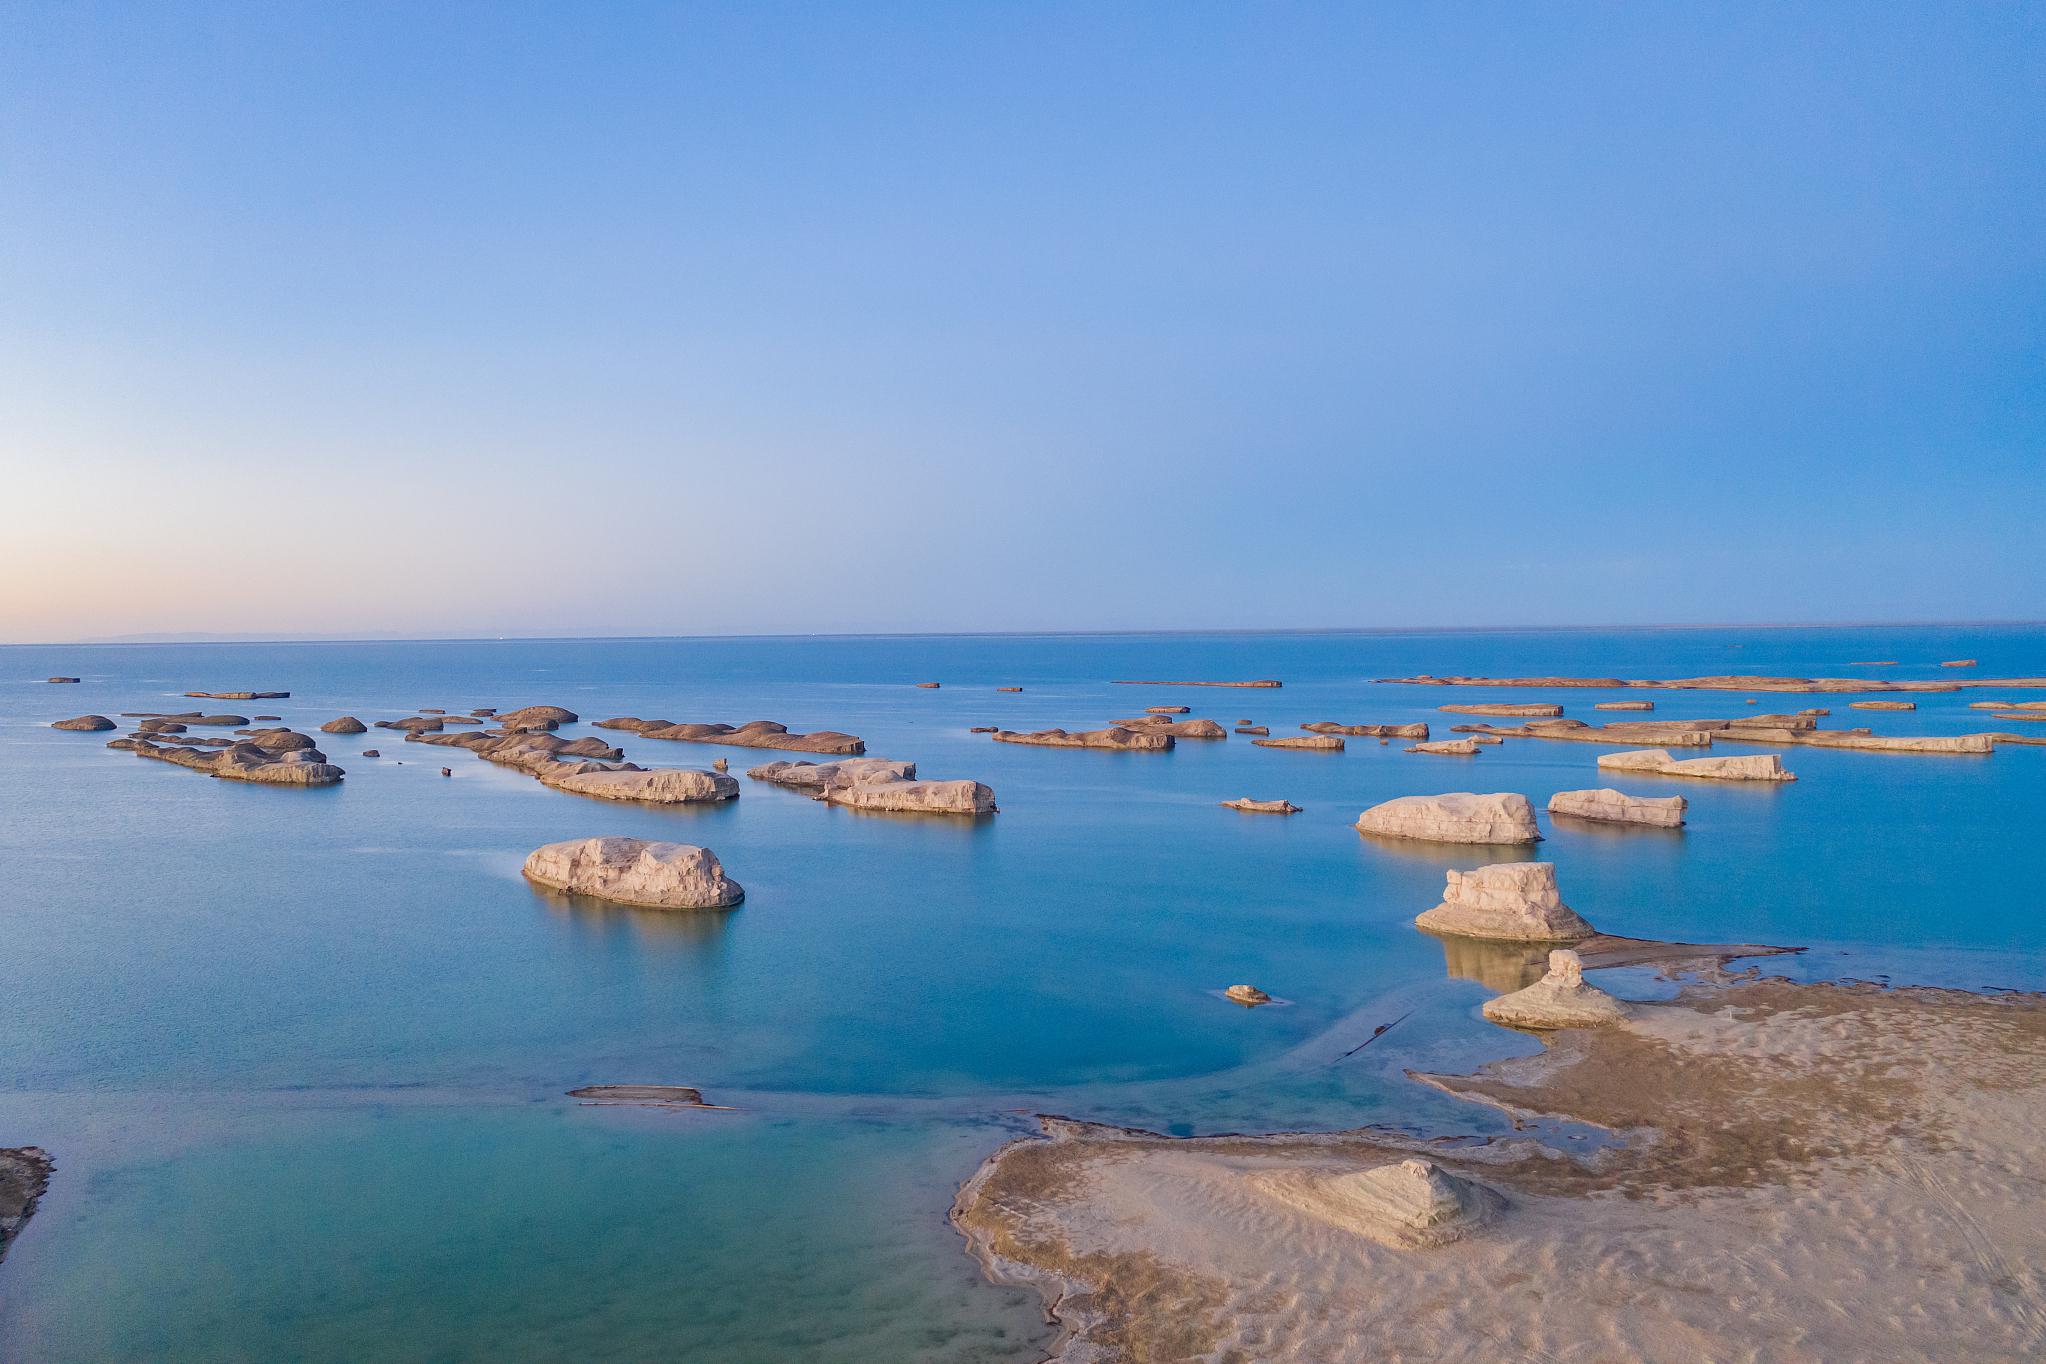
point(1617, 807)
point(633, 871)
point(1502, 817)
point(1511, 901)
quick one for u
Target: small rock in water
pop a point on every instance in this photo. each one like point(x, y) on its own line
point(447, 771)
point(1248, 995)
point(1262, 807)
point(84, 723)
point(722, 765)
point(371, 753)
point(927, 686)
point(63, 679)
point(1008, 689)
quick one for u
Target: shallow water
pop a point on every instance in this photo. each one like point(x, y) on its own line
point(302, 1055)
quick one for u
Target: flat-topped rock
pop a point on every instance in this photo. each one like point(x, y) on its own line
point(1882, 705)
point(1721, 682)
point(84, 724)
point(60, 680)
point(1500, 817)
point(1418, 730)
point(240, 695)
point(658, 786)
point(809, 776)
point(1559, 999)
point(1616, 807)
point(752, 734)
point(1503, 708)
point(898, 795)
point(1115, 736)
point(1452, 747)
point(1510, 902)
point(1167, 710)
point(1261, 807)
point(1624, 705)
point(633, 871)
point(1317, 743)
point(1178, 729)
point(346, 724)
point(1749, 767)
point(1257, 682)
point(1958, 663)
point(1247, 995)
point(1253, 731)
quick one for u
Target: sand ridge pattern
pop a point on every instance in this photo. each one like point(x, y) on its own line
point(1804, 1172)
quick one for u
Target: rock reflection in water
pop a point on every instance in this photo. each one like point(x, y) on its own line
point(1501, 966)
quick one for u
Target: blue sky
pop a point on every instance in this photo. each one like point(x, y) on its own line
point(643, 319)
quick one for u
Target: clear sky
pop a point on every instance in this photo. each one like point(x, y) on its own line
point(500, 318)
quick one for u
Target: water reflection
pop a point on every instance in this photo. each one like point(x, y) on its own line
point(1501, 966)
point(588, 917)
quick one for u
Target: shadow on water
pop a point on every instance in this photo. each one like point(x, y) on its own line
point(588, 917)
point(1500, 966)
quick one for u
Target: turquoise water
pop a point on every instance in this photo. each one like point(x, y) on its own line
point(301, 1055)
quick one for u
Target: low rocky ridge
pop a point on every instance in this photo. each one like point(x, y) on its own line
point(239, 695)
point(1462, 748)
point(1510, 901)
point(1178, 729)
point(24, 1176)
point(879, 784)
point(633, 871)
point(1751, 767)
point(84, 724)
point(1418, 730)
point(1504, 708)
point(587, 767)
point(1723, 682)
point(1115, 736)
point(273, 757)
point(1261, 807)
point(1501, 817)
point(1616, 807)
point(1259, 682)
point(1316, 743)
point(753, 734)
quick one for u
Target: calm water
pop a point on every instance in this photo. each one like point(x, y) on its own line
point(301, 1055)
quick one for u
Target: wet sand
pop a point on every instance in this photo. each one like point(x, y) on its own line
point(1756, 1169)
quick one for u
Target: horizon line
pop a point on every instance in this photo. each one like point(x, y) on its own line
point(177, 639)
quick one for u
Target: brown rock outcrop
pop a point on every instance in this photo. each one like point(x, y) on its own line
point(240, 695)
point(1318, 743)
point(1417, 730)
point(1459, 748)
point(1503, 708)
point(1882, 705)
point(633, 871)
point(1113, 737)
point(1178, 729)
point(346, 724)
point(1624, 705)
point(84, 724)
point(1259, 682)
point(753, 734)
point(24, 1177)
point(267, 759)
point(1249, 996)
point(1261, 807)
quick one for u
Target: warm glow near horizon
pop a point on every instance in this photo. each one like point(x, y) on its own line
point(379, 322)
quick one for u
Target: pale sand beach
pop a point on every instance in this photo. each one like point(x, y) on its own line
point(1795, 1172)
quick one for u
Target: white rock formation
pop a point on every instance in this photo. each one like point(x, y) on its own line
point(1510, 901)
point(1462, 748)
point(1617, 807)
point(1559, 999)
point(660, 786)
point(632, 871)
point(1458, 817)
point(1753, 767)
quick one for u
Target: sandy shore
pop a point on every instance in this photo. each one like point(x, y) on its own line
point(1791, 1172)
